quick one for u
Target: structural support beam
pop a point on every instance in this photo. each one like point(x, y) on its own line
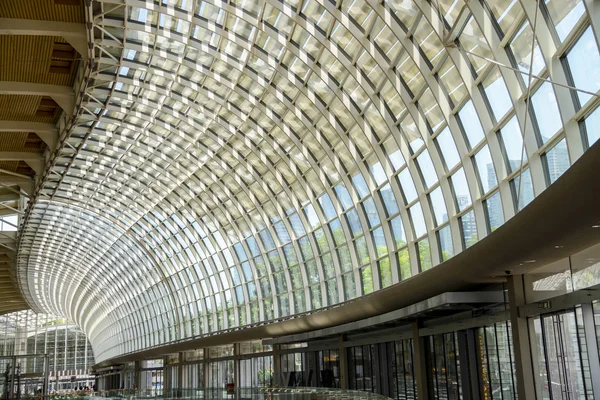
point(521, 339)
point(73, 33)
point(420, 362)
point(23, 183)
point(20, 156)
point(343, 363)
point(9, 197)
point(62, 95)
point(47, 132)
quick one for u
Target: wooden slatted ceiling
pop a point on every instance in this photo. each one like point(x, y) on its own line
point(45, 10)
point(28, 59)
point(20, 141)
point(23, 108)
point(35, 59)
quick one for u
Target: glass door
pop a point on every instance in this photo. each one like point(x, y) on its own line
point(562, 354)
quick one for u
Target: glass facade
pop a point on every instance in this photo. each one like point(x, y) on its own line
point(70, 355)
point(242, 162)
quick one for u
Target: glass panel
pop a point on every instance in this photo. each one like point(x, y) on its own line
point(447, 148)
point(424, 255)
point(557, 160)
point(584, 63)
point(497, 94)
point(461, 189)
point(493, 206)
point(445, 239)
point(469, 229)
point(522, 189)
point(512, 143)
point(485, 169)
point(471, 124)
point(546, 112)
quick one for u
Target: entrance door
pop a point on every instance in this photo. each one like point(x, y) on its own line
point(562, 355)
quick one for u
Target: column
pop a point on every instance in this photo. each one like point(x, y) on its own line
point(343, 363)
point(420, 362)
point(207, 381)
point(136, 375)
point(526, 379)
point(180, 374)
point(236, 365)
point(276, 366)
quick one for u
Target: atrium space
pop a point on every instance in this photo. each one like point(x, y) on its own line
point(300, 199)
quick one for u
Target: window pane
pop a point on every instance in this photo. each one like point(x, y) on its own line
point(398, 232)
point(461, 189)
point(546, 111)
point(424, 255)
point(380, 245)
point(521, 48)
point(592, 127)
point(367, 280)
point(445, 239)
point(371, 211)
point(439, 206)
point(496, 93)
point(584, 63)
point(385, 272)
point(485, 168)
point(557, 160)
point(427, 169)
point(565, 15)
point(416, 215)
point(407, 185)
point(469, 229)
point(494, 211)
point(512, 143)
point(447, 147)
point(522, 189)
point(389, 200)
point(471, 124)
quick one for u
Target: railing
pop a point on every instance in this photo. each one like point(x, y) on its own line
point(295, 393)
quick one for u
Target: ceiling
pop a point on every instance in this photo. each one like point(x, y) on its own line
point(38, 66)
point(236, 164)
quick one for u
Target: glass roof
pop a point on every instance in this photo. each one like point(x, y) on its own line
point(249, 161)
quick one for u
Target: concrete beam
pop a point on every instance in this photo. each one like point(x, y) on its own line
point(36, 165)
point(73, 33)
point(20, 156)
point(26, 184)
point(47, 132)
point(9, 197)
point(62, 95)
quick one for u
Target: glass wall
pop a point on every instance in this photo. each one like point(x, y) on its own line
point(70, 353)
point(383, 368)
point(256, 372)
point(496, 361)
point(564, 367)
point(444, 366)
point(220, 373)
point(313, 368)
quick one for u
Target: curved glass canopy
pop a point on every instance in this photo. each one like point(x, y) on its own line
point(245, 161)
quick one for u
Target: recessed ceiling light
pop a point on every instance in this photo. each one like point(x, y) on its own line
point(558, 247)
point(529, 261)
point(595, 226)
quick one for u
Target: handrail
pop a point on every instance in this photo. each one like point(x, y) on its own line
point(265, 393)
